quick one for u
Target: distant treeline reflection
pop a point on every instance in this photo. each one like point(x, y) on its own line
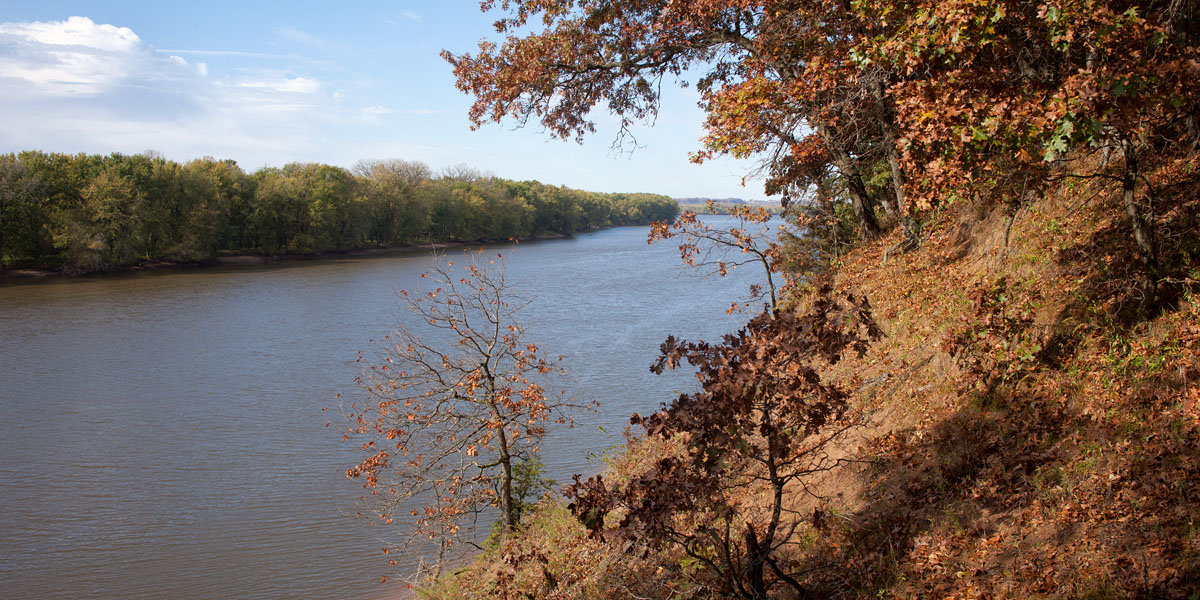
point(82, 213)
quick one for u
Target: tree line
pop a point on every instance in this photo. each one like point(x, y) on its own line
point(84, 213)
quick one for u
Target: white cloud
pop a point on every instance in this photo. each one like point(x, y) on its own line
point(79, 86)
point(408, 14)
point(300, 85)
point(75, 31)
point(76, 57)
point(376, 110)
point(294, 85)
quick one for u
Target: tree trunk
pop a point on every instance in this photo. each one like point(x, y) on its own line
point(756, 565)
point(859, 198)
point(885, 118)
point(825, 202)
point(507, 509)
point(1143, 232)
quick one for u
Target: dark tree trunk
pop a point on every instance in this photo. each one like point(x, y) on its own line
point(859, 198)
point(885, 116)
point(1143, 232)
point(756, 565)
point(825, 202)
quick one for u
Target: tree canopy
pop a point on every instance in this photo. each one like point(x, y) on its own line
point(955, 100)
point(85, 213)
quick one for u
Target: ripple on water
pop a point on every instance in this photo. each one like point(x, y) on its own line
point(161, 434)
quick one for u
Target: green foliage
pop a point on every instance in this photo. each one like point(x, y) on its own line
point(529, 486)
point(83, 213)
point(23, 222)
point(823, 230)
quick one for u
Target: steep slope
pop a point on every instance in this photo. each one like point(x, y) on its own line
point(1033, 438)
point(1024, 433)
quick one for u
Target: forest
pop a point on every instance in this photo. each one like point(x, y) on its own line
point(85, 213)
point(977, 373)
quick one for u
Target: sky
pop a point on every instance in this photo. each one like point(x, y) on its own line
point(270, 83)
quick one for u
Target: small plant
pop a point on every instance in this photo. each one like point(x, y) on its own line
point(995, 344)
point(528, 486)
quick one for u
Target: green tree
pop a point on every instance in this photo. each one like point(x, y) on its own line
point(23, 217)
point(398, 211)
point(100, 233)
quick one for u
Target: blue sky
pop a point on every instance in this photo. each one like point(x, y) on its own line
point(269, 83)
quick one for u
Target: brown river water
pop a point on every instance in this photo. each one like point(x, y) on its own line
point(162, 433)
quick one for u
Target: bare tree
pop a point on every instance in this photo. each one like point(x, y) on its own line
point(465, 172)
point(454, 403)
point(410, 172)
point(720, 250)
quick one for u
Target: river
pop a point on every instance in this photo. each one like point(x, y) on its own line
point(162, 433)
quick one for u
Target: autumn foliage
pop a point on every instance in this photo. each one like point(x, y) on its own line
point(948, 101)
point(1030, 421)
point(761, 424)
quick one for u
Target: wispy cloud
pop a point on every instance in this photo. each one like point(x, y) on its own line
point(234, 53)
point(406, 18)
point(302, 37)
point(410, 112)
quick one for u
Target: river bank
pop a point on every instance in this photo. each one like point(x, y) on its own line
point(254, 259)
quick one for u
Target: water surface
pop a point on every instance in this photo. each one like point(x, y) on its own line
point(162, 433)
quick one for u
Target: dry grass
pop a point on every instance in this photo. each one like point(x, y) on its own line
point(1077, 477)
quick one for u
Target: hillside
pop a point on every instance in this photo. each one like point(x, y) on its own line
point(997, 400)
point(1019, 431)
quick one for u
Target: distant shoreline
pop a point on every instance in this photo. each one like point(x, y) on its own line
point(257, 259)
